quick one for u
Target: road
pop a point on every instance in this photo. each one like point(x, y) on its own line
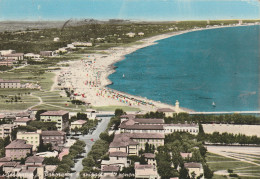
point(87, 139)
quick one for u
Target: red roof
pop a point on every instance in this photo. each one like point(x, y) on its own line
point(54, 113)
point(22, 119)
point(18, 144)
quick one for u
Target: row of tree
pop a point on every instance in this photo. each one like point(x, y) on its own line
point(206, 119)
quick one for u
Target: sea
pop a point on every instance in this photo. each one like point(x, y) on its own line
point(207, 70)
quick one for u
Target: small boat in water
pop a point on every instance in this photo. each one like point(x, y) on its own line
point(123, 75)
point(213, 104)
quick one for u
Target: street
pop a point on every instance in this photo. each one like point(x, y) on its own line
point(87, 139)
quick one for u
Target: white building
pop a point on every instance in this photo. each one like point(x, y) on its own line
point(190, 128)
point(130, 34)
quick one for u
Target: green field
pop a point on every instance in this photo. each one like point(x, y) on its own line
point(243, 169)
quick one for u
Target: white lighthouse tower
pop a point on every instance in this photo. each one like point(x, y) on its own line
point(177, 106)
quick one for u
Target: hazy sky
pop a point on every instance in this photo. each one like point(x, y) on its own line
point(128, 9)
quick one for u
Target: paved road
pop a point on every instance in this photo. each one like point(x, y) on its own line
point(87, 139)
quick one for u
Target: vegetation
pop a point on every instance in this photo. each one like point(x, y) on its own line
point(68, 160)
point(206, 119)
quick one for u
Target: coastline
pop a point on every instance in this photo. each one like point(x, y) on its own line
point(99, 94)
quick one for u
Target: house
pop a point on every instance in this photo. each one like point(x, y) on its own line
point(32, 56)
point(14, 56)
point(18, 149)
point(9, 167)
point(34, 160)
point(167, 111)
point(110, 170)
point(195, 168)
point(4, 160)
point(185, 155)
point(140, 33)
point(10, 83)
point(190, 128)
point(126, 117)
point(46, 53)
point(154, 139)
point(82, 44)
point(130, 34)
point(29, 173)
point(32, 138)
point(56, 138)
point(150, 158)
point(60, 117)
point(116, 158)
point(6, 130)
point(77, 124)
point(9, 62)
point(6, 52)
point(22, 121)
point(56, 39)
point(146, 171)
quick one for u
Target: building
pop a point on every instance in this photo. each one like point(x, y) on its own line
point(47, 154)
point(195, 168)
point(22, 121)
point(18, 149)
point(32, 56)
point(82, 44)
point(126, 117)
point(34, 160)
point(4, 160)
point(142, 126)
point(167, 111)
point(23, 114)
point(9, 62)
point(146, 171)
point(56, 39)
point(6, 130)
point(46, 53)
point(130, 34)
point(140, 33)
point(155, 139)
point(60, 117)
point(117, 158)
point(190, 128)
point(185, 155)
point(6, 52)
point(110, 170)
point(150, 158)
point(10, 83)
point(14, 56)
point(56, 138)
point(77, 124)
point(32, 138)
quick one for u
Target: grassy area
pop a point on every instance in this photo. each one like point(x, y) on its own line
point(210, 157)
point(113, 108)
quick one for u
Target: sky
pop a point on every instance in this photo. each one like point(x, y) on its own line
point(128, 9)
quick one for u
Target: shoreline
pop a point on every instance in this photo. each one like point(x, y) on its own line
point(99, 94)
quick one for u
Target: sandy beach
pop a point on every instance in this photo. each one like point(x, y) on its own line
point(88, 77)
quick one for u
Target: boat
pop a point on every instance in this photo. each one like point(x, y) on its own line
point(213, 104)
point(123, 75)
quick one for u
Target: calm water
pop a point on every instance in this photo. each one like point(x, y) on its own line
point(129, 9)
point(197, 68)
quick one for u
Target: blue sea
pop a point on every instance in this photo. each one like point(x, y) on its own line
point(197, 68)
point(128, 9)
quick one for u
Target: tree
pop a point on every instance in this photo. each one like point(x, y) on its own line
point(207, 172)
point(38, 113)
point(119, 112)
point(184, 174)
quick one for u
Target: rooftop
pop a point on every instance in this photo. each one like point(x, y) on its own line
point(9, 81)
point(110, 168)
point(14, 55)
point(79, 122)
point(10, 164)
point(18, 144)
point(53, 133)
point(192, 165)
point(34, 159)
point(142, 167)
point(182, 125)
point(165, 110)
point(5, 159)
point(149, 155)
point(141, 127)
point(149, 121)
point(24, 119)
point(54, 113)
point(129, 116)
